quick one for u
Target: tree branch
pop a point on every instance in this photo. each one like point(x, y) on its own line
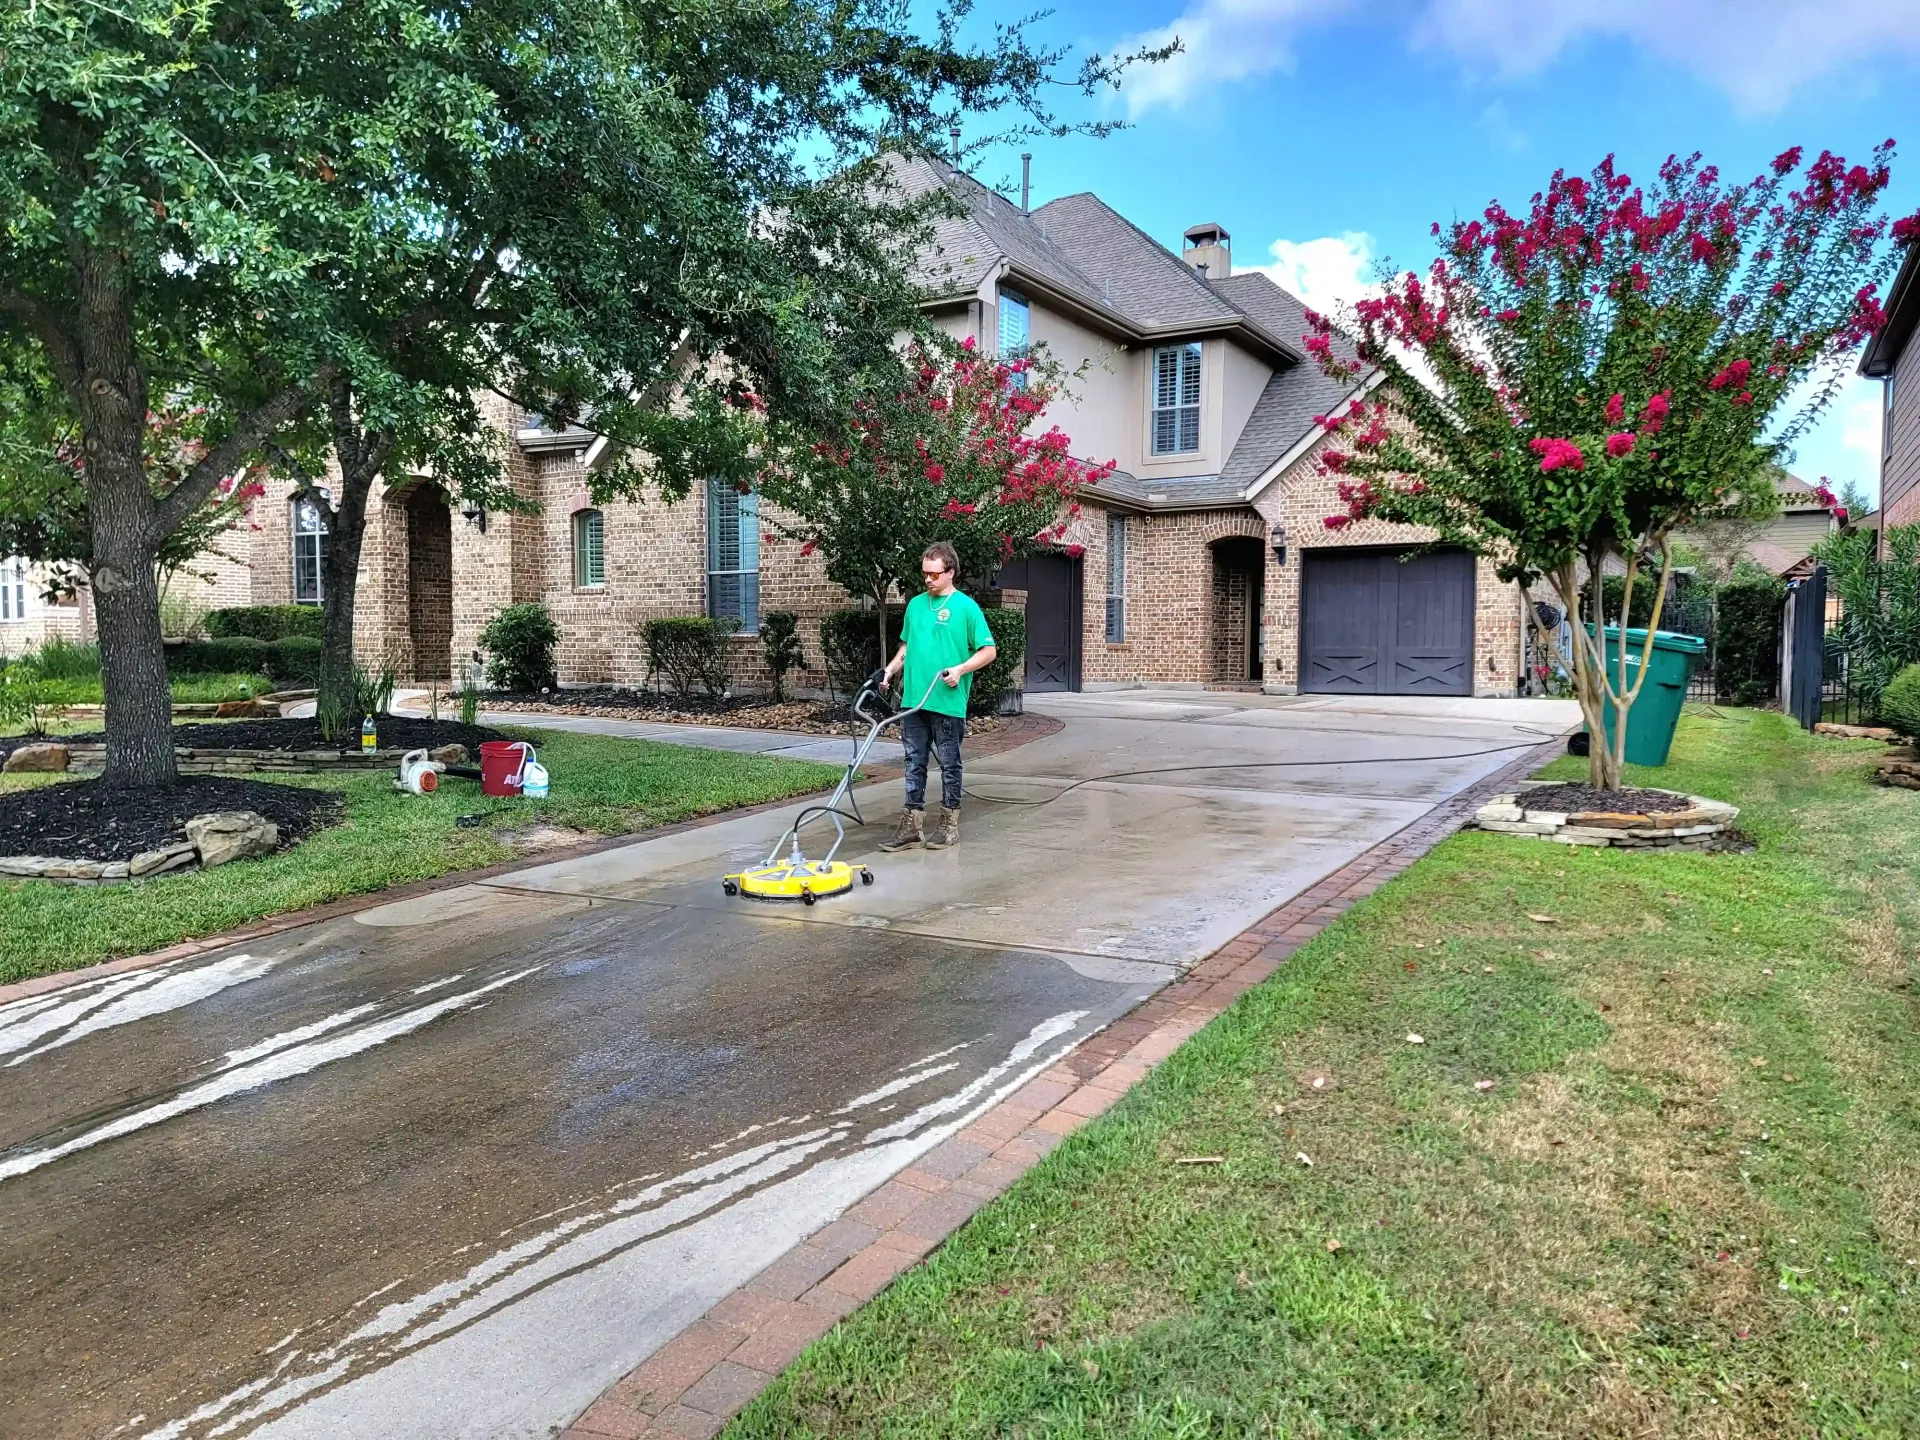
point(249, 435)
point(45, 325)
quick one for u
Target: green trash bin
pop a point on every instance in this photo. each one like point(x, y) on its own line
point(1656, 710)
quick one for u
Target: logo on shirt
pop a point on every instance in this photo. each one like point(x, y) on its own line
point(941, 614)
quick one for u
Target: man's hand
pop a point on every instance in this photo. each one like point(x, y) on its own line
point(951, 675)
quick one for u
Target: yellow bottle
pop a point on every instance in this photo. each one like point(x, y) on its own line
point(369, 737)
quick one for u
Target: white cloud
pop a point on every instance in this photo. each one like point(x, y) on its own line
point(1501, 130)
point(1223, 41)
point(1327, 273)
point(1756, 53)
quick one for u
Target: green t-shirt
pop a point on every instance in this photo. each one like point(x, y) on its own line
point(940, 633)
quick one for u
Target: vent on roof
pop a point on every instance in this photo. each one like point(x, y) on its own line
point(1209, 251)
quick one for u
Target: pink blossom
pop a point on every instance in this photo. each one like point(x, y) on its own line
point(1787, 159)
point(1745, 397)
point(939, 402)
point(1508, 315)
point(967, 344)
point(1656, 412)
point(1620, 444)
point(936, 473)
point(1616, 407)
point(954, 508)
point(1337, 522)
point(1074, 552)
point(1556, 454)
point(809, 547)
point(1904, 230)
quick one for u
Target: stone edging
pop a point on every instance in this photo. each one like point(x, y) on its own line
point(697, 1381)
point(1696, 826)
point(1023, 730)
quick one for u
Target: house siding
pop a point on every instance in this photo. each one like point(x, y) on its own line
point(1900, 445)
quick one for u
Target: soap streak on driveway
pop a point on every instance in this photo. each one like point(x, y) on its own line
point(449, 1166)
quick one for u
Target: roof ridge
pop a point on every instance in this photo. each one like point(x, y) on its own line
point(1206, 287)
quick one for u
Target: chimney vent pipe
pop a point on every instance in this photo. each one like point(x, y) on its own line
point(1026, 183)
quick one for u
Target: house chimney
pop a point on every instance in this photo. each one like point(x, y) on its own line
point(1026, 183)
point(1209, 251)
point(953, 134)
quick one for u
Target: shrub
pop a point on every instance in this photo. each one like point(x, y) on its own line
point(990, 682)
point(1900, 702)
point(780, 641)
point(689, 650)
point(850, 646)
point(68, 660)
point(264, 622)
point(519, 642)
point(1746, 640)
point(295, 658)
point(27, 697)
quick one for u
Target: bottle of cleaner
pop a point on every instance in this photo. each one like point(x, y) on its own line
point(369, 737)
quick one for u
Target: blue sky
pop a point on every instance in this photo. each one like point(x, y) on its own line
point(1325, 134)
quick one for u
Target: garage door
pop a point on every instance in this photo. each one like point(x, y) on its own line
point(1375, 623)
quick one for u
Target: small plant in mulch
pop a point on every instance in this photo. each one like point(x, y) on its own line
point(98, 820)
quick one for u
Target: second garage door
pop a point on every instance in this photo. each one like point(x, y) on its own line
point(1373, 622)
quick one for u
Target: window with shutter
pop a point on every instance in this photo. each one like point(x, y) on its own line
point(733, 556)
point(589, 549)
point(1176, 399)
point(1016, 330)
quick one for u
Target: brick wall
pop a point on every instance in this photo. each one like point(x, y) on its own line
point(1300, 500)
point(430, 584)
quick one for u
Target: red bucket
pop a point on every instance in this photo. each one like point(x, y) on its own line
point(500, 762)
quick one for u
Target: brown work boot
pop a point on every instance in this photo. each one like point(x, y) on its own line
point(911, 831)
point(946, 831)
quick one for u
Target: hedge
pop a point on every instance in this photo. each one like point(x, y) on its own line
point(297, 657)
point(264, 622)
point(689, 650)
point(519, 642)
point(850, 645)
point(1900, 702)
point(1746, 640)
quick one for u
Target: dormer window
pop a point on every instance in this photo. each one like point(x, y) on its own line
point(1016, 331)
point(1176, 399)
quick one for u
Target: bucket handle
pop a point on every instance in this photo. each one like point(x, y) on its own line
point(527, 756)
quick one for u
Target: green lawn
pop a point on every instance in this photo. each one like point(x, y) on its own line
point(600, 785)
point(1689, 1204)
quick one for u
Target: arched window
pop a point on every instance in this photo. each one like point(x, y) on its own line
point(589, 549)
point(309, 551)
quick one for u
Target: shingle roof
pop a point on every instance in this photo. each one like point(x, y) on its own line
point(1084, 249)
point(1186, 492)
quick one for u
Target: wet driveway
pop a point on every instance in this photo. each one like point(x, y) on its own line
point(450, 1166)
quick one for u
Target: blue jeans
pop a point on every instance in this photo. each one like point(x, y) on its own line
point(929, 729)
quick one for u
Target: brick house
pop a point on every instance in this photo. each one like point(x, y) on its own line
point(1203, 560)
point(1885, 360)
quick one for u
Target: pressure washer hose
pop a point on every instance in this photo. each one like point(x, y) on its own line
point(1260, 765)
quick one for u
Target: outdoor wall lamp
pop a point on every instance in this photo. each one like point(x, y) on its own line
point(476, 516)
point(1279, 543)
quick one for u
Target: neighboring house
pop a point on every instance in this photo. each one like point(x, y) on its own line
point(28, 619)
point(1783, 545)
point(1204, 560)
point(1890, 360)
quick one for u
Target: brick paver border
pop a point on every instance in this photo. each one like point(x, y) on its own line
point(1020, 730)
point(690, 1387)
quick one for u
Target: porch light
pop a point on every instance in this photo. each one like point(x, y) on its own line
point(1279, 543)
point(475, 516)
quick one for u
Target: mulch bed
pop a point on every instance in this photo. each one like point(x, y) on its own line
point(93, 820)
point(395, 731)
point(752, 712)
point(1572, 799)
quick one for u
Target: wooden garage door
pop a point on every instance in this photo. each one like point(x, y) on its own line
point(1373, 623)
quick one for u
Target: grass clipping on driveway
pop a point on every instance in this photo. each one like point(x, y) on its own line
point(1687, 1204)
point(600, 786)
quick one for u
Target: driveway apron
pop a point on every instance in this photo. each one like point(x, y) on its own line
point(450, 1166)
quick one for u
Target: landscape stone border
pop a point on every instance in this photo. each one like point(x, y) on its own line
point(92, 759)
point(693, 1385)
point(1698, 825)
point(208, 843)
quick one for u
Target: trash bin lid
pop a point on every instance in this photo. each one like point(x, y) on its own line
point(1662, 640)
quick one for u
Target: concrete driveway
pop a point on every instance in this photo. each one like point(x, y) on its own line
point(448, 1167)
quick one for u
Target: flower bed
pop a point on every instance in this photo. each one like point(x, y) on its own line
point(1625, 819)
point(268, 746)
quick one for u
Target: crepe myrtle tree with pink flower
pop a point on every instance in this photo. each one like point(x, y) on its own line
point(952, 449)
point(1569, 386)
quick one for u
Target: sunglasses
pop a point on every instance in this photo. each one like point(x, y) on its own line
point(931, 575)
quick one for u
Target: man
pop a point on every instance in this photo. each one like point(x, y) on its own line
point(943, 640)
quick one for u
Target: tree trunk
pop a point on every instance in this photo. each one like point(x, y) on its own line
point(126, 538)
point(361, 455)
